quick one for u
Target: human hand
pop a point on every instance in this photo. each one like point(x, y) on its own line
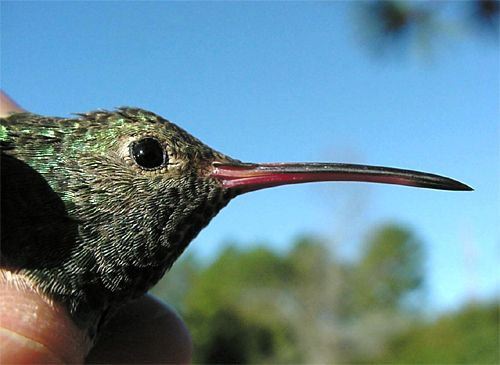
point(34, 329)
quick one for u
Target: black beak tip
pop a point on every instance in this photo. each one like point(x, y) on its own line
point(464, 187)
point(454, 185)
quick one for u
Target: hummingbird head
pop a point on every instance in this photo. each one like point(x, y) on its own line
point(144, 187)
point(141, 189)
point(136, 190)
point(95, 209)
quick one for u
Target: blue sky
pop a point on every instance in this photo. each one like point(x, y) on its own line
point(289, 82)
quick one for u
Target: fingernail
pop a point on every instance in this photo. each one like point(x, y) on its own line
point(17, 349)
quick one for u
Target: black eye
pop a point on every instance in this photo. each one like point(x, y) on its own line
point(148, 153)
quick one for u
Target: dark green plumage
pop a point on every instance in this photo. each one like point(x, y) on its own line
point(83, 220)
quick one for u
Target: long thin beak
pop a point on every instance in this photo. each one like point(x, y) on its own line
point(246, 177)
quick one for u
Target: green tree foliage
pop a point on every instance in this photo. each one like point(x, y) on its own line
point(401, 24)
point(308, 306)
point(469, 336)
point(390, 270)
point(302, 306)
point(233, 308)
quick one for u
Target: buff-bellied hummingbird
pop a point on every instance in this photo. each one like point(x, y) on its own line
point(96, 208)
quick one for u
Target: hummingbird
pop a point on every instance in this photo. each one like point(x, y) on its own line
point(96, 208)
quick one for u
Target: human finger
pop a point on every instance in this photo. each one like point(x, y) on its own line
point(34, 329)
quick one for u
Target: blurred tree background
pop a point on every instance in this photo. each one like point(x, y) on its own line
point(307, 305)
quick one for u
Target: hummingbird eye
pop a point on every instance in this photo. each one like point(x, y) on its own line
point(148, 153)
